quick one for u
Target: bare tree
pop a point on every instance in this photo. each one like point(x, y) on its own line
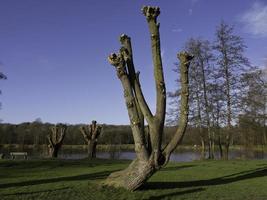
point(253, 103)
point(199, 102)
point(216, 109)
point(90, 134)
point(55, 139)
point(200, 72)
point(231, 64)
point(150, 155)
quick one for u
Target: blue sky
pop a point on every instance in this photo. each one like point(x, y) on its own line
point(54, 52)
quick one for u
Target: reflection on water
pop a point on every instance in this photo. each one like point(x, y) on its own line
point(184, 156)
point(180, 156)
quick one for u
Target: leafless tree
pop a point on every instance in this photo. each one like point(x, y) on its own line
point(231, 64)
point(150, 155)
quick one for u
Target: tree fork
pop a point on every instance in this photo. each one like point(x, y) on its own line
point(55, 139)
point(90, 134)
point(150, 155)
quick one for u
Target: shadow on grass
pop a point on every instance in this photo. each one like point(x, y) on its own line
point(175, 194)
point(36, 192)
point(174, 168)
point(53, 163)
point(261, 172)
point(94, 176)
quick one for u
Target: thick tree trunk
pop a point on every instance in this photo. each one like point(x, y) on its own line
point(94, 149)
point(55, 139)
point(132, 177)
point(149, 153)
point(53, 151)
point(91, 149)
point(144, 166)
point(90, 134)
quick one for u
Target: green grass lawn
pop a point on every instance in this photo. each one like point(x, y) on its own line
point(63, 179)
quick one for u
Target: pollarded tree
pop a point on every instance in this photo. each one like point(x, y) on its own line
point(55, 139)
point(150, 155)
point(91, 134)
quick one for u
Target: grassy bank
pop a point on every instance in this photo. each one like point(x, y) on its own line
point(62, 179)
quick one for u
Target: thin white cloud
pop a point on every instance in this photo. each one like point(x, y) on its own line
point(193, 2)
point(190, 11)
point(177, 30)
point(162, 53)
point(255, 19)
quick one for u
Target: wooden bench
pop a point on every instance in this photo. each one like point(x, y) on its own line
point(15, 154)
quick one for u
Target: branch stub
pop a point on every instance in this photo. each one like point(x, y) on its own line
point(150, 12)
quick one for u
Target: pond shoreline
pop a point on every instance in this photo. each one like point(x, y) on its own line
point(129, 147)
point(182, 154)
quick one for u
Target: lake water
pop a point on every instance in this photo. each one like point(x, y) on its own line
point(179, 156)
point(184, 156)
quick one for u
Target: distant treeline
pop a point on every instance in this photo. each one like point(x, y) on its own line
point(35, 133)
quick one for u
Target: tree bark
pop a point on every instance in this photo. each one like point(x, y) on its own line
point(150, 156)
point(55, 139)
point(54, 151)
point(134, 176)
point(145, 165)
point(91, 149)
point(91, 134)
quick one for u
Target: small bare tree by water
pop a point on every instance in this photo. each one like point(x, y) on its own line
point(150, 153)
point(55, 139)
point(90, 134)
